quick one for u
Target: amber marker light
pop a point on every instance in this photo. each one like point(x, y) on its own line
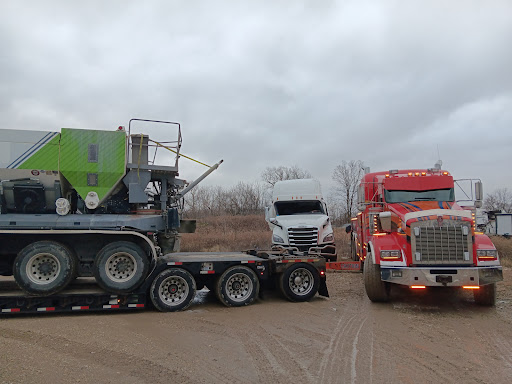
point(418, 287)
point(470, 287)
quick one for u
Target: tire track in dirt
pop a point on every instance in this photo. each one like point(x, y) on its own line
point(145, 370)
point(268, 350)
point(339, 361)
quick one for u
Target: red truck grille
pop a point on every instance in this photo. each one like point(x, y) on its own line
point(449, 244)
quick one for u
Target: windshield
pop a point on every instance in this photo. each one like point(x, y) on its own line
point(432, 195)
point(299, 207)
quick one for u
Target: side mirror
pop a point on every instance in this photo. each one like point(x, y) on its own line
point(348, 228)
point(385, 221)
point(479, 194)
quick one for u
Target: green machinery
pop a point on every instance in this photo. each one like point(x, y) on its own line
point(89, 203)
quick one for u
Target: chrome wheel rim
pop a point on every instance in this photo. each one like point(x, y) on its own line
point(43, 268)
point(301, 281)
point(173, 290)
point(239, 287)
point(121, 266)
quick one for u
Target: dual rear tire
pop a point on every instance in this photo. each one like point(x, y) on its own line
point(46, 267)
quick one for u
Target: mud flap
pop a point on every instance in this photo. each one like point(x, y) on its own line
point(322, 289)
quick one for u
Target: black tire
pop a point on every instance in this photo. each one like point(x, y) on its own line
point(237, 286)
point(173, 290)
point(299, 282)
point(44, 268)
point(376, 289)
point(486, 295)
point(121, 267)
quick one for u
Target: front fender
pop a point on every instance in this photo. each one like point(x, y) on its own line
point(389, 242)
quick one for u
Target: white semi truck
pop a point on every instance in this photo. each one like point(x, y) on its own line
point(299, 219)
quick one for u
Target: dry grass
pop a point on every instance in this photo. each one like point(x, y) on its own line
point(504, 247)
point(228, 233)
point(238, 233)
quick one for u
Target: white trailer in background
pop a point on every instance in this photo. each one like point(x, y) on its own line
point(503, 224)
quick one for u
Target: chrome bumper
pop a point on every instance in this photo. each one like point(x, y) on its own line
point(442, 276)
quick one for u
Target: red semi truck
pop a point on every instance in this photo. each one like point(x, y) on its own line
point(410, 231)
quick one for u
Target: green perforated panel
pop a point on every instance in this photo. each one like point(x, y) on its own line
point(92, 157)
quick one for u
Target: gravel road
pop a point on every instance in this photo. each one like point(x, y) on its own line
point(420, 337)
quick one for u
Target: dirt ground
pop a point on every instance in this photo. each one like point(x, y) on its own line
point(420, 337)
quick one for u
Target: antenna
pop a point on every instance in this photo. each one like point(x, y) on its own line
point(439, 163)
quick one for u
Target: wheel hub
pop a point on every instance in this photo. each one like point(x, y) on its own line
point(122, 266)
point(298, 280)
point(46, 268)
point(173, 288)
point(236, 285)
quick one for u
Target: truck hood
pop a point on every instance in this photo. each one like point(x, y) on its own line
point(408, 211)
point(310, 220)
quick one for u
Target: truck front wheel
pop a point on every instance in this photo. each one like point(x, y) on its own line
point(120, 267)
point(376, 289)
point(237, 286)
point(44, 267)
point(486, 295)
point(173, 290)
point(299, 282)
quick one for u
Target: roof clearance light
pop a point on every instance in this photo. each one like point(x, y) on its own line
point(409, 174)
point(417, 174)
point(445, 173)
point(423, 173)
point(387, 174)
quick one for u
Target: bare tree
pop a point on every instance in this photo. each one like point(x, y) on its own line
point(272, 175)
point(346, 177)
point(245, 199)
point(242, 199)
point(499, 200)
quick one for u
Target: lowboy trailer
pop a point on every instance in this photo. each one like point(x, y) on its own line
point(237, 279)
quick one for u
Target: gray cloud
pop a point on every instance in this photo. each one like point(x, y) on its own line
point(273, 83)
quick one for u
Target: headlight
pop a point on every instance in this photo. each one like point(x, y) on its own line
point(390, 255)
point(277, 239)
point(487, 254)
point(328, 238)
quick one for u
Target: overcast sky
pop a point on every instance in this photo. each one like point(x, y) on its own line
point(269, 83)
